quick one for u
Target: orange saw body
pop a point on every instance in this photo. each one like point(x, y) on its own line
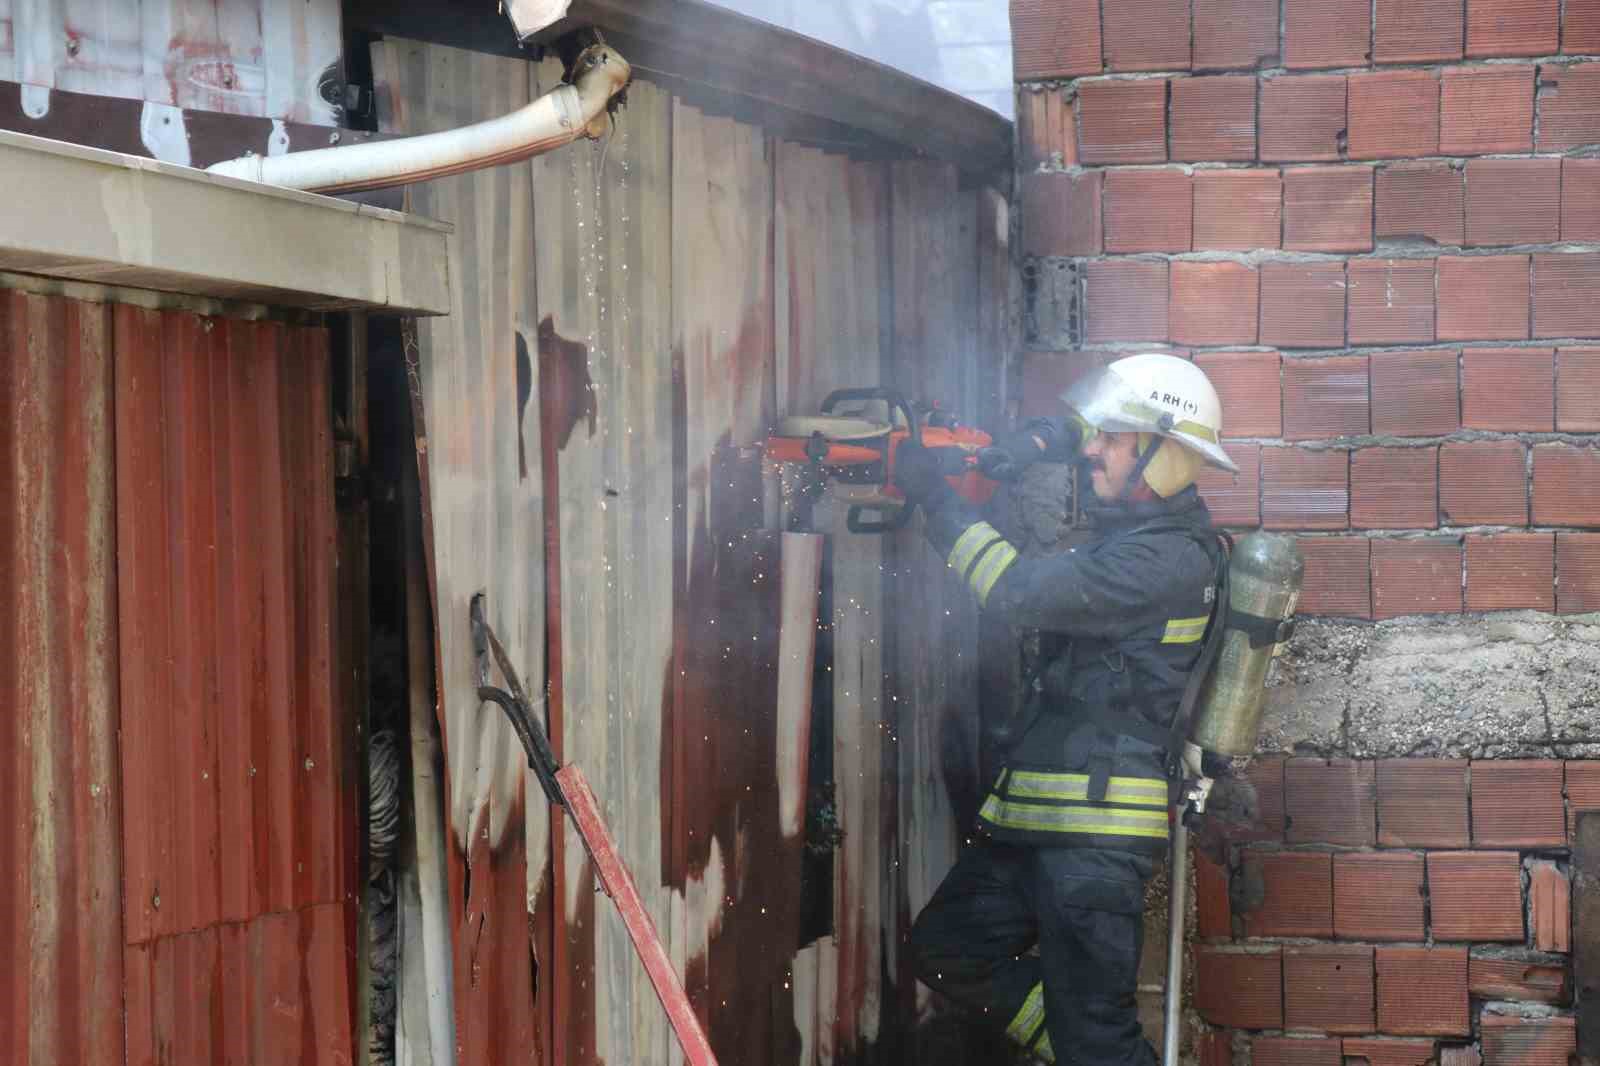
point(854, 450)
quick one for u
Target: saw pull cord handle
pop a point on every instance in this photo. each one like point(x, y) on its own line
point(854, 518)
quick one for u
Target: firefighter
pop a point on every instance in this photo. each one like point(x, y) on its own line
point(1073, 825)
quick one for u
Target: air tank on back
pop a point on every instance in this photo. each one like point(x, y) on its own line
point(1264, 577)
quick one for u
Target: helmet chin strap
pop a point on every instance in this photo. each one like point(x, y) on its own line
point(1136, 478)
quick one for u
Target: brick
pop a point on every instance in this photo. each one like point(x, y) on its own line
point(1517, 803)
point(1298, 898)
point(1526, 979)
point(1338, 578)
point(1375, 1051)
point(1234, 499)
point(1303, 306)
point(1566, 485)
point(1583, 782)
point(1577, 385)
point(1508, 389)
point(1126, 300)
point(1046, 375)
point(1146, 34)
point(1235, 33)
point(1513, 201)
point(1330, 801)
point(1485, 110)
point(1394, 488)
point(1295, 1051)
point(1416, 577)
point(1237, 210)
point(1215, 914)
point(1394, 114)
point(1122, 121)
point(1580, 199)
point(1265, 772)
point(1061, 213)
point(1422, 991)
point(1460, 1055)
point(1328, 988)
point(1240, 989)
point(1511, 572)
point(1577, 573)
point(1569, 106)
point(1422, 803)
point(1416, 31)
point(1037, 136)
point(1055, 38)
point(1566, 294)
point(1148, 211)
point(1580, 27)
point(1512, 27)
point(1304, 490)
point(1475, 895)
point(1390, 301)
point(1214, 119)
point(1214, 1047)
point(1302, 119)
point(1483, 297)
point(1549, 907)
point(1214, 303)
point(1484, 482)
point(1517, 1041)
point(1327, 209)
point(1326, 397)
point(1248, 383)
point(1425, 200)
point(1416, 394)
point(1326, 33)
point(1377, 895)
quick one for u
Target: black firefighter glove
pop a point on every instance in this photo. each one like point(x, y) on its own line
point(1233, 808)
point(1040, 438)
point(919, 474)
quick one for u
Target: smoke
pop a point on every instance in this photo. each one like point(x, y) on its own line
point(960, 45)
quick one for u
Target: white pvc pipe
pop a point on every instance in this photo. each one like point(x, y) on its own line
point(557, 118)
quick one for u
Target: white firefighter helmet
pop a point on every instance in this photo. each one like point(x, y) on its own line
point(1156, 395)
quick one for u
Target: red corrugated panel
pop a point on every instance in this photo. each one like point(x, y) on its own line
point(60, 924)
point(235, 817)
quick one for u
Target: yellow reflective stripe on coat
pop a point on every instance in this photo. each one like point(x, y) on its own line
point(1025, 1026)
point(1051, 818)
point(1043, 1051)
point(1133, 791)
point(989, 570)
point(972, 541)
point(1185, 630)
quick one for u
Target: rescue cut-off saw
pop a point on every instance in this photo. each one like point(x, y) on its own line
point(846, 446)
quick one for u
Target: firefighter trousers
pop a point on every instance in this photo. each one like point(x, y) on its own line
point(1074, 1001)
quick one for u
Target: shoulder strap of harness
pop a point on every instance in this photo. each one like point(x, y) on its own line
point(1178, 732)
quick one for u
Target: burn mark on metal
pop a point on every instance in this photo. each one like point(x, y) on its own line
point(564, 377)
point(524, 392)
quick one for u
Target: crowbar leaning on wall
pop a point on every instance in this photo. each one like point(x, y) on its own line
point(566, 787)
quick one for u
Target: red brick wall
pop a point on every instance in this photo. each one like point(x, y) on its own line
point(1370, 224)
point(1396, 899)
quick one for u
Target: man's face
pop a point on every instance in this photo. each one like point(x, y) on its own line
point(1111, 458)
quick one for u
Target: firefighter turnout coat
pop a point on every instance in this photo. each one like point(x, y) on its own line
point(1123, 618)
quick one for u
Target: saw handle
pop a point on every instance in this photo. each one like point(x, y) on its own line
point(855, 519)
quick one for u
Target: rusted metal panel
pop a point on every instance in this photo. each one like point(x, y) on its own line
point(60, 919)
point(237, 812)
point(244, 57)
point(475, 378)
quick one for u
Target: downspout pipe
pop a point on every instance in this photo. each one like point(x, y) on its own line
point(577, 108)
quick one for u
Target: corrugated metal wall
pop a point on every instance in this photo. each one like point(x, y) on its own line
point(166, 566)
point(239, 876)
point(672, 293)
point(60, 879)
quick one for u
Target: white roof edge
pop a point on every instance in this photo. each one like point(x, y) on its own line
point(87, 214)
